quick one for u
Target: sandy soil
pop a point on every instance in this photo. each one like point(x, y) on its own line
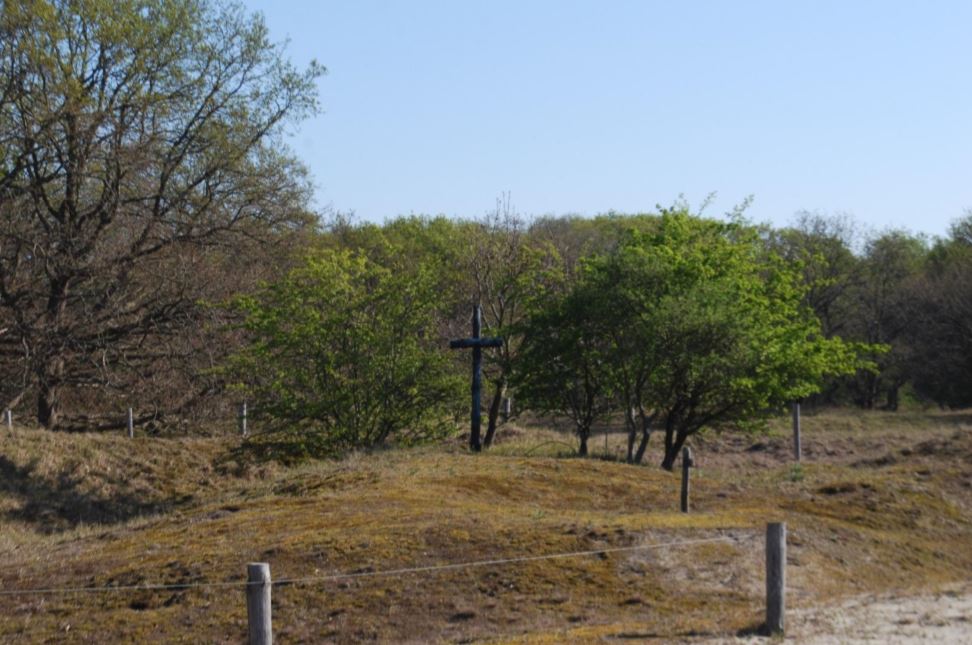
point(943, 618)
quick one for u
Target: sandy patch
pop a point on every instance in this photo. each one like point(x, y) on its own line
point(941, 618)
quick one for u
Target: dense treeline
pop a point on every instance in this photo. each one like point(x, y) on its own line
point(896, 289)
point(670, 321)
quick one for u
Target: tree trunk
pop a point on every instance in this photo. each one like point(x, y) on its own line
point(671, 451)
point(629, 422)
point(494, 408)
point(643, 445)
point(893, 397)
point(48, 402)
point(582, 449)
point(50, 373)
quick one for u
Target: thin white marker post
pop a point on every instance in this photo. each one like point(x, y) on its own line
point(131, 424)
point(243, 418)
point(775, 577)
point(797, 447)
point(258, 588)
point(8, 418)
point(687, 462)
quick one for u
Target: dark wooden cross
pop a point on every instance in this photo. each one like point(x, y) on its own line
point(477, 344)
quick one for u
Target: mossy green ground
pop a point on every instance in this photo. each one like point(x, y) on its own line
point(881, 502)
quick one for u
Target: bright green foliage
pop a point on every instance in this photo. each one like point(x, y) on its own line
point(699, 327)
point(346, 354)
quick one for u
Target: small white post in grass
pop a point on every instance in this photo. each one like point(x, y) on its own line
point(258, 588)
point(687, 462)
point(243, 418)
point(797, 448)
point(775, 577)
point(131, 424)
point(507, 408)
point(8, 418)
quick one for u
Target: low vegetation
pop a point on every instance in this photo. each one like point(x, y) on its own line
point(881, 503)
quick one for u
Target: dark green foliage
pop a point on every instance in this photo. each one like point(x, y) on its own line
point(941, 321)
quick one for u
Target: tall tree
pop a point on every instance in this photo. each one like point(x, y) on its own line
point(560, 368)
point(823, 248)
point(139, 143)
point(882, 314)
point(700, 327)
point(508, 270)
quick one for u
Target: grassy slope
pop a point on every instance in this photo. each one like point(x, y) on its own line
point(882, 502)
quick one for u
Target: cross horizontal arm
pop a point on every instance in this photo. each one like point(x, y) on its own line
point(465, 343)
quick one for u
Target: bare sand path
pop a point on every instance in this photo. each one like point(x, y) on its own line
point(943, 618)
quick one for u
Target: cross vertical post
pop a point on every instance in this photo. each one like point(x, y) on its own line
point(476, 343)
point(477, 381)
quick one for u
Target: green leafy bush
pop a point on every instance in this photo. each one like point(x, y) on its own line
point(688, 326)
point(345, 354)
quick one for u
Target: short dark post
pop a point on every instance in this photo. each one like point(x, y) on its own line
point(775, 577)
point(242, 418)
point(476, 344)
point(8, 418)
point(797, 448)
point(131, 424)
point(258, 603)
point(687, 463)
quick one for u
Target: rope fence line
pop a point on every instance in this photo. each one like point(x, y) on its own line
point(76, 557)
point(361, 574)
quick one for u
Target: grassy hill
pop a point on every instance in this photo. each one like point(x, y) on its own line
point(882, 501)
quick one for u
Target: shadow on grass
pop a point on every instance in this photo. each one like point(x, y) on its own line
point(757, 629)
point(287, 445)
point(960, 418)
point(58, 505)
point(666, 637)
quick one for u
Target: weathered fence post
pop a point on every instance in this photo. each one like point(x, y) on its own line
point(687, 463)
point(258, 603)
point(131, 424)
point(775, 577)
point(8, 418)
point(797, 448)
point(242, 418)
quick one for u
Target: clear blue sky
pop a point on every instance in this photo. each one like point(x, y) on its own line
point(853, 107)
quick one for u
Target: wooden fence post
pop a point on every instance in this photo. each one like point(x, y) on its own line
point(797, 447)
point(258, 588)
point(131, 424)
point(8, 418)
point(687, 463)
point(775, 577)
point(243, 418)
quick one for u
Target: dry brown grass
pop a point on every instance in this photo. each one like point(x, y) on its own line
point(881, 502)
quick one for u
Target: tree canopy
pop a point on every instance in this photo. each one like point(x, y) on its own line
point(691, 325)
point(139, 141)
point(346, 353)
